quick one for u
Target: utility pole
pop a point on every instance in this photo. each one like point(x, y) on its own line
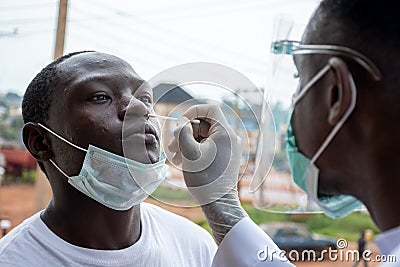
point(61, 25)
point(42, 186)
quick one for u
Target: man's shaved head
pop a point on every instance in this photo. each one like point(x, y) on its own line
point(369, 26)
point(37, 98)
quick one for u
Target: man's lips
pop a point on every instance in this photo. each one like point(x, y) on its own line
point(143, 129)
point(151, 134)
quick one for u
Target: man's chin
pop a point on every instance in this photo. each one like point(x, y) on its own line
point(136, 149)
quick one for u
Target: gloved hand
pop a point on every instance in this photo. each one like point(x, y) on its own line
point(210, 166)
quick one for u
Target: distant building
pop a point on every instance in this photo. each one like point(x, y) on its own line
point(2, 167)
point(17, 160)
point(172, 100)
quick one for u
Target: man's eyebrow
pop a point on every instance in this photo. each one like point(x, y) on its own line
point(100, 78)
point(86, 79)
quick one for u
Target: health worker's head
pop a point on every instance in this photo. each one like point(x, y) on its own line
point(360, 159)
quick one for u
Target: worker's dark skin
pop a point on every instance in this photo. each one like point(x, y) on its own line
point(89, 107)
point(362, 160)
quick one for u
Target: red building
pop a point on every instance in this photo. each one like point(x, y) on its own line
point(17, 161)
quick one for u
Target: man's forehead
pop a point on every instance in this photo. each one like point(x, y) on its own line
point(92, 64)
point(90, 58)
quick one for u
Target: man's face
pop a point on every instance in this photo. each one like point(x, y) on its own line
point(89, 107)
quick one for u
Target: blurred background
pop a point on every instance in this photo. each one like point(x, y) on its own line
point(152, 35)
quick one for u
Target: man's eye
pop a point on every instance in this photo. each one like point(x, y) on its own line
point(99, 98)
point(296, 75)
point(146, 99)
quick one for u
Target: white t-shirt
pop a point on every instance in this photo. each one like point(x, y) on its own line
point(166, 240)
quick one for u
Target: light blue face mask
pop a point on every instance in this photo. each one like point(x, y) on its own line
point(112, 180)
point(304, 171)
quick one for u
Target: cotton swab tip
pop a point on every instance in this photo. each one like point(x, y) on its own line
point(195, 121)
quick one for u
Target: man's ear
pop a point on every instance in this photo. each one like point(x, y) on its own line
point(37, 142)
point(341, 93)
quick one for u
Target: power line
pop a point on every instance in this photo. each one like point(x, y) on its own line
point(228, 8)
point(194, 42)
point(26, 21)
point(160, 54)
point(27, 6)
point(192, 45)
point(106, 46)
point(179, 34)
point(36, 32)
point(122, 40)
point(144, 34)
point(9, 33)
point(163, 53)
point(212, 5)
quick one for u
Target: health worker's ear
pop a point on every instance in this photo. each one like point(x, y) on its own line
point(340, 90)
point(37, 142)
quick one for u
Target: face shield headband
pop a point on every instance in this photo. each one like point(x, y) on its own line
point(287, 47)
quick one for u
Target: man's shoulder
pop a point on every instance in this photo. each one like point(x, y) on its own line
point(164, 215)
point(11, 243)
point(18, 231)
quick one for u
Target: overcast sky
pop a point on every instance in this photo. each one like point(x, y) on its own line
point(152, 35)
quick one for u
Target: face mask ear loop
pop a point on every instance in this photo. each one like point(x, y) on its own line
point(62, 138)
point(66, 141)
point(308, 86)
point(58, 168)
point(341, 122)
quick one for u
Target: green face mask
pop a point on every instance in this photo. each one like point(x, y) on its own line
point(304, 171)
point(305, 174)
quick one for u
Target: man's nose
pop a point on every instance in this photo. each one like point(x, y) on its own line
point(134, 107)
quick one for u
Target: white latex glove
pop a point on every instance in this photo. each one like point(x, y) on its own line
point(211, 166)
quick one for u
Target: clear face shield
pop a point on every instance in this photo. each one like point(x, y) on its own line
point(273, 187)
point(181, 88)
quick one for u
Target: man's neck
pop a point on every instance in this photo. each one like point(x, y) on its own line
point(384, 210)
point(380, 194)
point(93, 225)
point(373, 181)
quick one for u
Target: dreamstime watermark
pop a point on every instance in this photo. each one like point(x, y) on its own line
point(332, 254)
